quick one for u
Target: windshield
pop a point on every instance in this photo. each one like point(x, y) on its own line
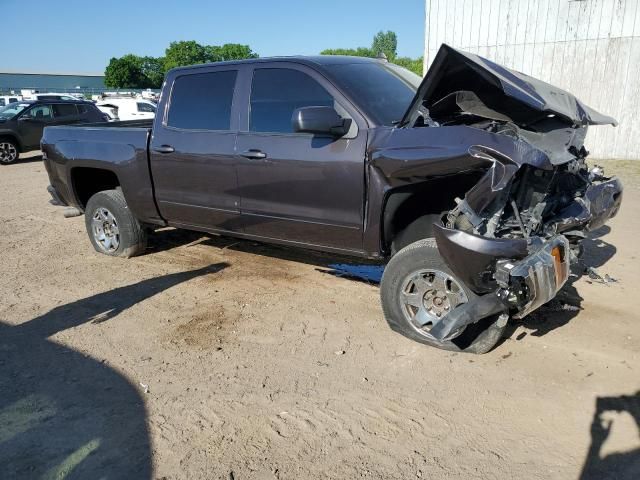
point(382, 89)
point(12, 109)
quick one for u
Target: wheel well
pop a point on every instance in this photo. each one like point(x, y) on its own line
point(89, 181)
point(426, 200)
point(13, 138)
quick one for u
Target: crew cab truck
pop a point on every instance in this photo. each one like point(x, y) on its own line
point(471, 183)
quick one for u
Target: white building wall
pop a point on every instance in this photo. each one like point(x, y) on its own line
point(590, 48)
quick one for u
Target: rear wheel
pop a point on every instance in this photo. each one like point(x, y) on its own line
point(8, 151)
point(418, 290)
point(112, 228)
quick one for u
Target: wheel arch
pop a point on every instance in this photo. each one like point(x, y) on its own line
point(12, 136)
point(417, 205)
point(87, 181)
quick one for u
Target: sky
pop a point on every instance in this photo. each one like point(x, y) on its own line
point(73, 36)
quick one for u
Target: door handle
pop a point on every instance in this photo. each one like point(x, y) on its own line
point(164, 149)
point(254, 154)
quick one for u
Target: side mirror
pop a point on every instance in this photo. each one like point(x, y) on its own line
point(25, 118)
point(320, 120)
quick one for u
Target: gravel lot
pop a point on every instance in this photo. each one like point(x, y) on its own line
point(217, 358)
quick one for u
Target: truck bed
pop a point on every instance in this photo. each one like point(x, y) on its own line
point(120, 148)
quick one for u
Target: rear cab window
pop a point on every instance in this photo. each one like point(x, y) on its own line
point(202, 101)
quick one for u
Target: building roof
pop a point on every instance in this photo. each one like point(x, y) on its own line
point(56, 74)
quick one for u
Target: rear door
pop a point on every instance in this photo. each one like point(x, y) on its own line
point(145, 110)
point(32, 122)
point(65, 113)
point(307, 188)
point(192, 149)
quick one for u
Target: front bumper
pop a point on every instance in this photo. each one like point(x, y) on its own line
point(533, 281)
point(504, 274)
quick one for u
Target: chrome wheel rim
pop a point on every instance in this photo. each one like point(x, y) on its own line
point(105, 230)
point(8, 152)
point(428, 296)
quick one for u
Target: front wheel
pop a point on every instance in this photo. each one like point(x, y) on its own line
point(418, 290)
point(112, 228)
point(8, 151)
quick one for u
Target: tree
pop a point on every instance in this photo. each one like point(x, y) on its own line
point(356, 52)
point(124, 72)
point(413, 64)
point(153, 71)
point(132, 71)
point(228, 51)
point(182, 53)
point(385, 42)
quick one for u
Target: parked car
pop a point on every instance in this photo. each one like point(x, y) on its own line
point(471, 184)
point(7, 99)
point(50, 96)
point(22, 123)
point(128, 108)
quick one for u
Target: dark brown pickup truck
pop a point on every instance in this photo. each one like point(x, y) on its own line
point(471, 183)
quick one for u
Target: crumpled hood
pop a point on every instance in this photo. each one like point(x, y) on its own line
point(519, 97)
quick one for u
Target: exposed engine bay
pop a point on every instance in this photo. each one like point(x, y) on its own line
point(514, 235)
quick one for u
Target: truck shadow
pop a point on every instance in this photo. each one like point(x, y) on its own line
point(64, 414)
point(169, 238)
point(614, 465)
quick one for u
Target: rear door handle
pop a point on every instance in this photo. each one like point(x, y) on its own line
point(164, 149)
point(254, 154)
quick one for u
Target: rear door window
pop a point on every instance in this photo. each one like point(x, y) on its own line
point(202, 101)
point(64, 110)
point(146, 107)
point(277, 92)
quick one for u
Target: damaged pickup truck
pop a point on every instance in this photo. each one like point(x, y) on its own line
point(471, 183)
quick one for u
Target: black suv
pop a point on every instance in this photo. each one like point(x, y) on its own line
point(21, 123)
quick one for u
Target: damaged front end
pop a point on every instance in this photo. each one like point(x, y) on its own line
point(514, 235)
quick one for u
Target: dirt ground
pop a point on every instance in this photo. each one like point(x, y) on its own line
point(214, 358)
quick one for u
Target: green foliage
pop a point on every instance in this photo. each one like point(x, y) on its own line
point(153, 71)
point(182, 53)
point(124, 72)
point(385, 42)
point(355, 52)
point(132, 71)
point(413, 64)
point(228, 51)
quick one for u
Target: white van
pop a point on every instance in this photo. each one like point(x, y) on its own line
point(7, 99)
point(127, 108)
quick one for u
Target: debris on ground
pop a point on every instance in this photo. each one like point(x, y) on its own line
point(594, 275)
point(144, 387)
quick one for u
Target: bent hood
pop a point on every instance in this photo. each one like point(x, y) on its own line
point(499, 90)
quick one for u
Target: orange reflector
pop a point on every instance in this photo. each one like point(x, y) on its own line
point(560, 266)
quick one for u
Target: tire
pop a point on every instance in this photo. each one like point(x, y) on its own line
point(9, 151)
point(420, 228)
point(112, 228)
point(422, 260)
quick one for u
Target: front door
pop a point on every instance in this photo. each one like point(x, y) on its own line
point(192, 150)
point(31, 124)
point(299, 187)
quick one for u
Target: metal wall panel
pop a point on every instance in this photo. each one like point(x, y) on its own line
point(588, 47)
